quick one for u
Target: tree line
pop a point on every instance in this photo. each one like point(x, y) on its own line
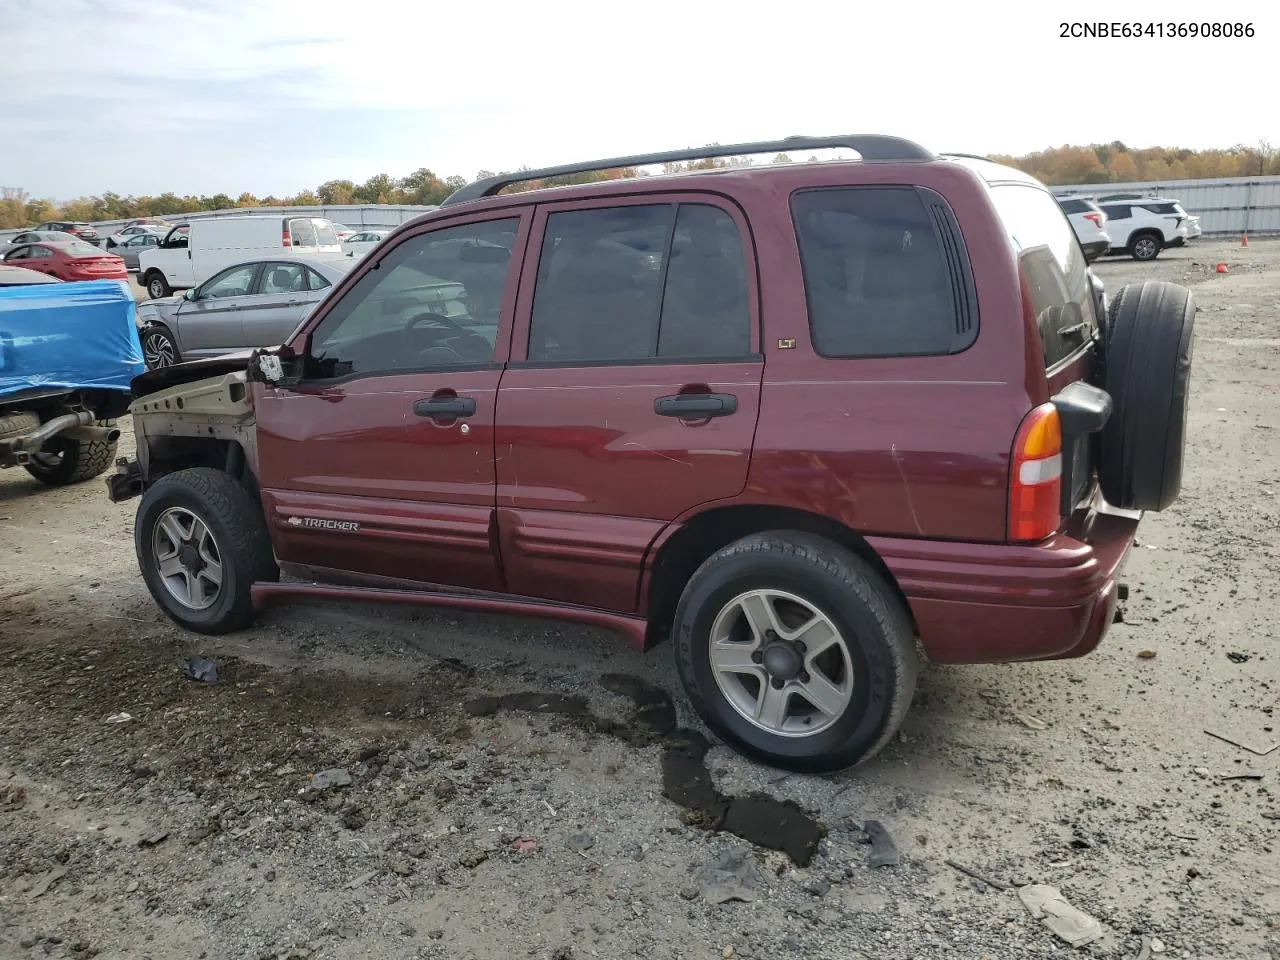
point(1099, 163)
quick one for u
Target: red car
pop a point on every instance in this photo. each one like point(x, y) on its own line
point(72, 260)
point(813, 423)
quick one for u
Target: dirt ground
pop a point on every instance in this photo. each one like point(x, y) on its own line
point(451, 828)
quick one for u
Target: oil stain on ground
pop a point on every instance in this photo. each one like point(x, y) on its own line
point(758, 818)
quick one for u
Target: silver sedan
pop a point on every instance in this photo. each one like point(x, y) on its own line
point(252, 304)
point(35, 236)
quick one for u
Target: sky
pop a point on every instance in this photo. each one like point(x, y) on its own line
point(276, 96)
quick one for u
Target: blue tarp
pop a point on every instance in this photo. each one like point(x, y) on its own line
point(71, 335)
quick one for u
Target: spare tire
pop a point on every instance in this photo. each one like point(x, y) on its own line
point(1148, 344)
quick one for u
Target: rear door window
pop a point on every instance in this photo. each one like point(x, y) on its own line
point(1053, 268)
point(885, 272)
point(638, 283)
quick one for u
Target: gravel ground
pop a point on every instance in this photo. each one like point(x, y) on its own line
point(440, 826)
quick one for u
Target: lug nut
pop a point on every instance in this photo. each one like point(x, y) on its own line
point(757, 656)
point(804, 676)
point(801, 648)
point(778, 683)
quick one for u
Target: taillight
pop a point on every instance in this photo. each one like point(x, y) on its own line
point(285, 239)
point(1035, 476)
point(1096, 218)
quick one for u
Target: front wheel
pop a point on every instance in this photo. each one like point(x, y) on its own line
point(157, 286)
point(796, 652)
point(1145, 247)
point(159, 348)
point(202, 543)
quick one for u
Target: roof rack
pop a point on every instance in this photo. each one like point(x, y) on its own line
point(967, 156)
point(872, 147)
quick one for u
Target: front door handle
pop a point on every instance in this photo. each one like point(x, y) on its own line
point(696, 406)
point(445, 407)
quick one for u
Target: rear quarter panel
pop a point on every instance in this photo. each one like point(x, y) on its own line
point(912, 446)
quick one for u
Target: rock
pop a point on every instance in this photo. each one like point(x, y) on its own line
point(444, 789)
point(28, 942)
point(581, 842)
point(402, 868)
point(689, 893)
point(271, 876)
point(731, 877)
point(884, 853)
point(818, 888)
point(1047, 904)
point(435, 934)
point(1157, 945)
point(153, 839)
point(353, 818)
point(562, 953)
point(407, 931)
point(473, 859)
point(132, 887)
point(331, 779)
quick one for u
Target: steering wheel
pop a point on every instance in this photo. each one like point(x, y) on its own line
point(438, 348)
point(440, 318)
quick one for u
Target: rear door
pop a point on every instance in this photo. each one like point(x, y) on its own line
point(34, 257)
point(633, 390)
point(379, 463)
point(211, 322)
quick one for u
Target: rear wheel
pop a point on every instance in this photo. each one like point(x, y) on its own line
point(1149, 340)
point(18, 424)
point(157, 285)
point(202, 543)
point(795, 652)
point(1145, 246)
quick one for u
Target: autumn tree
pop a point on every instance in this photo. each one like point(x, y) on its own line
point(1113, 162)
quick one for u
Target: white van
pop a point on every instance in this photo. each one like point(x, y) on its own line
point(191, 253)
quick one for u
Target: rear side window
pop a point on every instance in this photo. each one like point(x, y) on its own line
point(1163, 208)
point(1117, 211)
point(1053, 268)
point(885, 273)
point(1073, 206)
point(315, 281)
point(643, 282)
point(302, 233)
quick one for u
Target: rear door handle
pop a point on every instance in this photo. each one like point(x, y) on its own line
point(445, 407)
point(696, 406)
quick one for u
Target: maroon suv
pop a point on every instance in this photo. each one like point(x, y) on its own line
point(815, 421)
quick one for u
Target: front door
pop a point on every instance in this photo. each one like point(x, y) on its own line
point(633, 390)
point(379, 466)
point(209, 323)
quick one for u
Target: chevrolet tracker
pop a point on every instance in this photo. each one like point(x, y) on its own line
point(815, 422)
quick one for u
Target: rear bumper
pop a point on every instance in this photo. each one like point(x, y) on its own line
point(976, 603)
point(1095, 248)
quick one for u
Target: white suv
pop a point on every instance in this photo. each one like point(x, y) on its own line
point(1090, 224)
point(1143, 226)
